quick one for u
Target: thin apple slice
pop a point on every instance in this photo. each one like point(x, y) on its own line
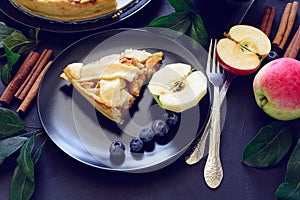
point(178, 87)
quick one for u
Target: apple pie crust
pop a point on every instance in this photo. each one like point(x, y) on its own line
point(112, 83)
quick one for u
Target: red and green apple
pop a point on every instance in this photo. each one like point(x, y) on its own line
point(276, 88)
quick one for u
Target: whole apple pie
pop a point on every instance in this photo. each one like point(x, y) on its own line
point(67, 9)
point(112, 83)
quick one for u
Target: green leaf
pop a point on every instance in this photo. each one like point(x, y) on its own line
point(6, 71)
point(293, 168)
point(14, 41)
point(171, 20)
point(181, 5)
point(269, 146)
point(182, 26)
point(198, 31)
point(21, 188)
point(10, 123)
point(290, 189)
point(287, 191)
point(9, 146)
point(25, 160)
point(5, 31)
point(37, 154)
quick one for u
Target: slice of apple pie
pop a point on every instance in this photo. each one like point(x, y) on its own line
point(112, 83)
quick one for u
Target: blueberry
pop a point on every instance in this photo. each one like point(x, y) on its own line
point(272, 56)
point(160, 127)
point(170, 118)
point(136, 145)
point(161, 130)
point(147, 135)
point(117, 148)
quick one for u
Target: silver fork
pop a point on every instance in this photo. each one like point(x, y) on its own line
point(213, 172)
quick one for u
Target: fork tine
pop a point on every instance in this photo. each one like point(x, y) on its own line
point(215, 67)
point(208, 64)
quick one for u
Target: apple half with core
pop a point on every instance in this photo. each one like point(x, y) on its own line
point(243, 49)
point(178, 87)
point(276, 88)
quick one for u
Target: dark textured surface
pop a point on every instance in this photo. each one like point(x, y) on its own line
point(60, 177)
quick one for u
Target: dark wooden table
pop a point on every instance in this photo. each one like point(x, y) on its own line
point(60, 177)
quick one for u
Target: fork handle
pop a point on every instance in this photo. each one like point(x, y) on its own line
point(213, 172)
point(216, 129)
point(198, 150)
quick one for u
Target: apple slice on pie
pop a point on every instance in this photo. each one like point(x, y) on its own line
point(112, 83)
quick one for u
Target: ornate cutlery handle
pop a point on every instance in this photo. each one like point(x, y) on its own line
point(198, 151)
point(213, 172)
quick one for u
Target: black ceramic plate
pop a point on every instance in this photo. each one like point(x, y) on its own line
point(127, 8)
point(85, 134)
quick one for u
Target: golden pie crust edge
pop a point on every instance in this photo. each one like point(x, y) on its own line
point(67, 10)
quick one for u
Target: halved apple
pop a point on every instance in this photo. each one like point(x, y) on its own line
point(178, 87)
point(243, 49)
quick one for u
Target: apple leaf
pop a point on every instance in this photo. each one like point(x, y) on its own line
point(14, 41)
point(172, 21)
point(10, 145)
point(287, 191)
point(293, 168)
point(269, 146)
point(12, 44)
point(21, 187)
point(4, 32)
point(25, 160)
point(10, 123)
point(22, 184)
point(12, 59)
point(198, 31)
point(185, 20)
point(181, 5)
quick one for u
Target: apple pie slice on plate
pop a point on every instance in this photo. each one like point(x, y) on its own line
point(112, 83)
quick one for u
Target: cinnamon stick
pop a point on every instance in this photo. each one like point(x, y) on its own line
point(290, 24)
point(29, 81)
point(33, 90)
point(294, 46)
point(29, 76)
point(282, 24)
point(265, 18)
point(270, 21)
point(19, 78)
point(286, 24)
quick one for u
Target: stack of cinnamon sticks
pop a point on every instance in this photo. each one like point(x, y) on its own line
point(24, 86)
point(284, 29)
